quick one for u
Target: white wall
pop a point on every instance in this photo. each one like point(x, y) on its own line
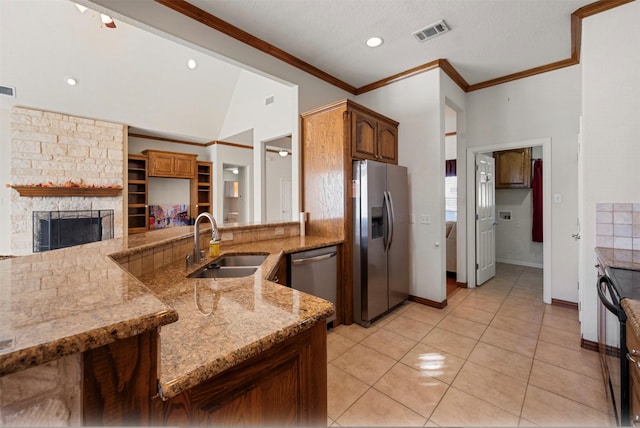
point(543, 106)
point(513, 237)
point(169, 191)
point(611, 154)
point(248, 109)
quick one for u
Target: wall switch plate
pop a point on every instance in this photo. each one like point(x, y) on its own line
point(425, 219)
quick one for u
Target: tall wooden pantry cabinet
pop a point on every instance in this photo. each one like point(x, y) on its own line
point(332, 137)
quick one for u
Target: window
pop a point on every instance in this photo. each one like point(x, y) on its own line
point(451, 198)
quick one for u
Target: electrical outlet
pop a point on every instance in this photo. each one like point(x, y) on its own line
point(425, 219)
point(279, 231)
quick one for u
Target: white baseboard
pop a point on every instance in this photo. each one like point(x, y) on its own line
point(519, 263)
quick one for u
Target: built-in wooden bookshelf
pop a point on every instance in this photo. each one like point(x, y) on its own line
point(201, 189)
point(138, 193)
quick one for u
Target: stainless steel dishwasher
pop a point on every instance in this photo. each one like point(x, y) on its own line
point(315, 272)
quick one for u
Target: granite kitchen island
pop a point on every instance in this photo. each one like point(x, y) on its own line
point(153, 347)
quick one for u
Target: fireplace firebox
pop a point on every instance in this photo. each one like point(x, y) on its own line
point(62, 229)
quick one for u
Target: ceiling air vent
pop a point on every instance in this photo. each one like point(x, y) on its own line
point(431, 31)
point(8, 90)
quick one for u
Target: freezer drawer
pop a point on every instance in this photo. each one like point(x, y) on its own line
point(315, 272)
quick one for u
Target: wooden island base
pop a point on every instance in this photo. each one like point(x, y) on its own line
point(284, 385)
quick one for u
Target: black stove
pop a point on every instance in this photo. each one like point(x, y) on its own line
point(616, 284)
point(626, 282)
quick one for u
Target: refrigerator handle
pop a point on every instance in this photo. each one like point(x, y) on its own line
point(390, 219)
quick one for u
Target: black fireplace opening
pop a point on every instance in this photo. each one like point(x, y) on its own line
point(62, 229)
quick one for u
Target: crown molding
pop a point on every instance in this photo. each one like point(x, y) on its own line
point(169, 140)
point(195, 13)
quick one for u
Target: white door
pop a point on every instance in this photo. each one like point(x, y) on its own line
point(485, 219)
point(285, 199)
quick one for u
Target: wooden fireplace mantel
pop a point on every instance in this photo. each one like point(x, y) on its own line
point(33, 191)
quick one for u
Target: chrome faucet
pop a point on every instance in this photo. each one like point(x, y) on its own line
point(196, 234)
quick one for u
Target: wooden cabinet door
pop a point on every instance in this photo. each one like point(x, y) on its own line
point(184, 166)
point(363, 136)
point(161, 165)
point(284, 386)
point(513, 168)
point(387, 143)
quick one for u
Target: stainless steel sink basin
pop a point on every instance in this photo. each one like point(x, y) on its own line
point(224, 272)
point(231, 266)
point(240, 260)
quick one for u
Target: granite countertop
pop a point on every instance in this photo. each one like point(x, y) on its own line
point(615, 258)
point(72, 300)
point(225, 321)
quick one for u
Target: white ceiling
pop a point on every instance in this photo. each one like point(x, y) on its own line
point(488, 38)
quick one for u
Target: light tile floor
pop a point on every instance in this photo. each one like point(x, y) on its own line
point(496, 355)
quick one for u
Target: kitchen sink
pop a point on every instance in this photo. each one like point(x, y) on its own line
point(231, 266)
point(240, 260)
point(224, 272)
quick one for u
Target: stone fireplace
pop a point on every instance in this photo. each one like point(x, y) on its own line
point(56, 148)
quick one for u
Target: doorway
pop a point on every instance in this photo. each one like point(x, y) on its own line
point(235, 194)
point(451, 198)
point(277, 180)
point(545, 144)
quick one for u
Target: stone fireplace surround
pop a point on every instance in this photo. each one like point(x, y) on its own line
point(54, 147)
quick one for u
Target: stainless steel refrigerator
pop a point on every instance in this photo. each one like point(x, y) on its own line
point(381, 239)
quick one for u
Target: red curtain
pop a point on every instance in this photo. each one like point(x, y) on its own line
point(536, 186)
point(450, 168)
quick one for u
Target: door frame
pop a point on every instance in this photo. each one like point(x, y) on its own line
point(546, 212)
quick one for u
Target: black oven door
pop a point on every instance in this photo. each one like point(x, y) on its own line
point(613, 349)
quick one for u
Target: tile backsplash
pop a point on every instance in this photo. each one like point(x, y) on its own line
point(618, 226)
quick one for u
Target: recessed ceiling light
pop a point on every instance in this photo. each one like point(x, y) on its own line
point(192, 64)
point(374, 42)
point(71, 81)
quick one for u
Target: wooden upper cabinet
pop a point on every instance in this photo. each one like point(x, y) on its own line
point(363, 138)
point(388, 142)
point(170, 164)
point(373, 136)
point(513, 168)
